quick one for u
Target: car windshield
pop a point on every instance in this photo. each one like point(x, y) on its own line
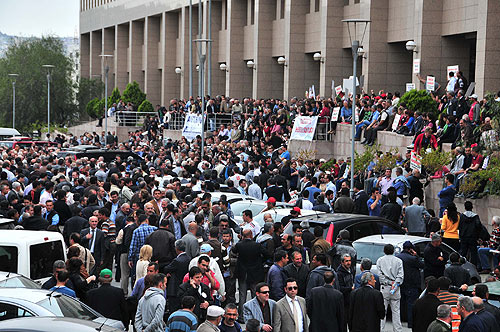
point(373, 251)
point(19, 282)
point(65, 306)
point(238, 208)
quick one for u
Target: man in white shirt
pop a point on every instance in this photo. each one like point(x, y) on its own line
point(452, 81)
point(248, 223)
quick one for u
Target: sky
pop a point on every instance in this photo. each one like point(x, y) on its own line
point(39, 17)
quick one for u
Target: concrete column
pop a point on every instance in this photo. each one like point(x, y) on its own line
point(121, 56)
point(218, 76)
point(108, 47)
point(488, 54)
point(85, 55)
point(135, 52)
point(95, 51)
point(294, 71)
point(171, 81)
point(238, 77)
point(265, 83)
point(152, 84)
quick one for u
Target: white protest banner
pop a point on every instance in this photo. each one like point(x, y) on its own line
point(192, 126)
point(395, 123)
point(338, 89)
point(304, 128)
point(347, 82)
point(313, 92)
point(430, 83)
point(335, 114)
point(416, 161)
point(410, 86)
point(453, 69)
point(470, 89)
point(310, 92)
point(416, 66)
point(356, 115)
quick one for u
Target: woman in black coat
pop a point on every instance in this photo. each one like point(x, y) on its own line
point(80, 282)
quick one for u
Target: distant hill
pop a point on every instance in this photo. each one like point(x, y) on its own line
point(71, 44)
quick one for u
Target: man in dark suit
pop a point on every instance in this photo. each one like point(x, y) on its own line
point(425, 309)
point(481, 290)
point(74, 224)
point(62, 208)
point(471, 322)
point(360, 199)
point(325, 307)
point(108, 300)
point(249, 267)
point(285, 319)
point(93, 239)
point(201, 293)
point(366, 306)
point(175, 272)
point(162, 242)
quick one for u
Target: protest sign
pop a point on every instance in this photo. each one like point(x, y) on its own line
point(416, 161)
point(430, 83)
point(410, 86)
point(192, 126)
point(304, 128)
point(416, 66)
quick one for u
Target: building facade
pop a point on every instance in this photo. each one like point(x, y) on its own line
point(149, 41)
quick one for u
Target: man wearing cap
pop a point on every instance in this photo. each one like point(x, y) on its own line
point(214, 268)
point(412, 281)
point(271, 204)
point(214, 317)
point(475, 110)
point(108, 300)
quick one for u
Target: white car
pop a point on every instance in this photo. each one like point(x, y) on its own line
point(279, 213)
point(372, 247)
point(256, 206)
point(231, 197)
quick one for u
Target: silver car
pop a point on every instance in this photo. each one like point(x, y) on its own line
point(14, 280)
point(25, 302)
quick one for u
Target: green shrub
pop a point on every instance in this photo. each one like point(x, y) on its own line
point(99, 108)
point(435, 160)
point(133, 94)
point(362, 160)
point(114, 98)
point(419, 100)
point(146, 106)
point(90, 108)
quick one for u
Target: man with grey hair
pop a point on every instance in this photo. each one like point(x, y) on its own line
point(470, 321)
point(414, 221)
point(366, 266)
point(366, 307)
point(443, 320)
point(494, 242)
point(489, 321)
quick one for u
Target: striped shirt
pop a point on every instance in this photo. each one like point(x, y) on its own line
point(182, 321)
point(109, 229)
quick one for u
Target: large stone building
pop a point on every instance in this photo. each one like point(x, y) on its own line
point(149, 41)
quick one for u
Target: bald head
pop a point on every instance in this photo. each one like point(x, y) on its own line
point(247, 234)
point(478, 303)
point(193, 227)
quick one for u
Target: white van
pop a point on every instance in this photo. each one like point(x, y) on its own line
point(31, 253)
point(8, 132)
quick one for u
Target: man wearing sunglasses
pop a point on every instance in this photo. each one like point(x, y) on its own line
point(260, 308)
point(290, 314)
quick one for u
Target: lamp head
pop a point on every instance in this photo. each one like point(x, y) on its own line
point(250, 64)
point(281, 60)
point(178, 70)
point(411, 45)
point(317, 56)
point(223, 66)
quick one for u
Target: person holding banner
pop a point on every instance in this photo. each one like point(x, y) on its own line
point(424, 141)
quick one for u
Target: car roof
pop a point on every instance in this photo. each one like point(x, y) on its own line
point(49, 324)
point(15, 236)
point(326, 218)
point(397, 239)
point(4, 274)
point(28, 294)
point(6, 221)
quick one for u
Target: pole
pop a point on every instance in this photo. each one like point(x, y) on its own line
point(190, 48)
point(209, 60)
point(48, 102)
point(200, 74)
point(14, 104)
point(355, 46)
point(202, 71)
point(106, 70)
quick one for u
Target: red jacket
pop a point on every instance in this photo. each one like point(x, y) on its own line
point(418, 143)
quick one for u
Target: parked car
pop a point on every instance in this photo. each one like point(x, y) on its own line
point(372, 247)
point(279, 213)
point(14, 280)
point(51, 324)
point(358, 225)
point(231, 197)
point(108, 155)
point(493, 290)
point(31, 253)
point(256, 206)
point(24, 302)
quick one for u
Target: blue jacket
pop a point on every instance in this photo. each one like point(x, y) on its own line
point(276, 279)
point(401, 184)
point(251, 309)
point(446, 195)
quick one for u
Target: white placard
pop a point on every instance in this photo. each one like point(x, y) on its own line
point(338, 89)
point(304, 128)
point(347, 82)
point(416, 66)
point(356, 115)
point(416, 161)
point(335, 114)
point(192, 126)
point(395, 123)
point(470, 89)
point(410, 86)
point(453, 69)
point(430, 83)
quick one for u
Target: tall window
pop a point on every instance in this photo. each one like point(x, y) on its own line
point(317, 5)
point(282, 9)
point(252, 12)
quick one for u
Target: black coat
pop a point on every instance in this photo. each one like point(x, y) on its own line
point(360, 206)
point(424, 312)
point(489, 321)
point(391, 211)
point(433, 266)
point(472, 323)
point(493, 310)
point(177, 269)
point(35, 223)
point(99, 248)
point(249, 264)
point(325, 307)
point(109, 301)
point(416, 188)
point(63, 211)
point(411, 266)
point(73, 225)
point(162, 242)
point(186, 289)
point(366, 310)
point(469, 227)
point(457, 274)
point(300, 275)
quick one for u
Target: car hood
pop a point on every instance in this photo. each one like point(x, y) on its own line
point(110, 322)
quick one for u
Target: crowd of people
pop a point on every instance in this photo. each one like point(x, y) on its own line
point(152, 224)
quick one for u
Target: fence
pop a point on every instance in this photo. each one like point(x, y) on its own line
point(212, 121)
point(132, 119)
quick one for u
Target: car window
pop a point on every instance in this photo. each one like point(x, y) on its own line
point(65, 306)
point(19, 282)
point(42, 256)
point(8, 259)
point(368, 250)
point(387, 228)
point(420, 247)
point(361, 229)
point(239, 208)
point(9, 311)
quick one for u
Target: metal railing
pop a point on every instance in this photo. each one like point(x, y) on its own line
point(212, 121)
point(132, 119)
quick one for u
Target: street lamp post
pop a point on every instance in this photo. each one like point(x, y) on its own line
point(355, 45)
point(190, 48)
point(106, 71)
point(202, 57)
point(14, 77)
point(49, 69)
